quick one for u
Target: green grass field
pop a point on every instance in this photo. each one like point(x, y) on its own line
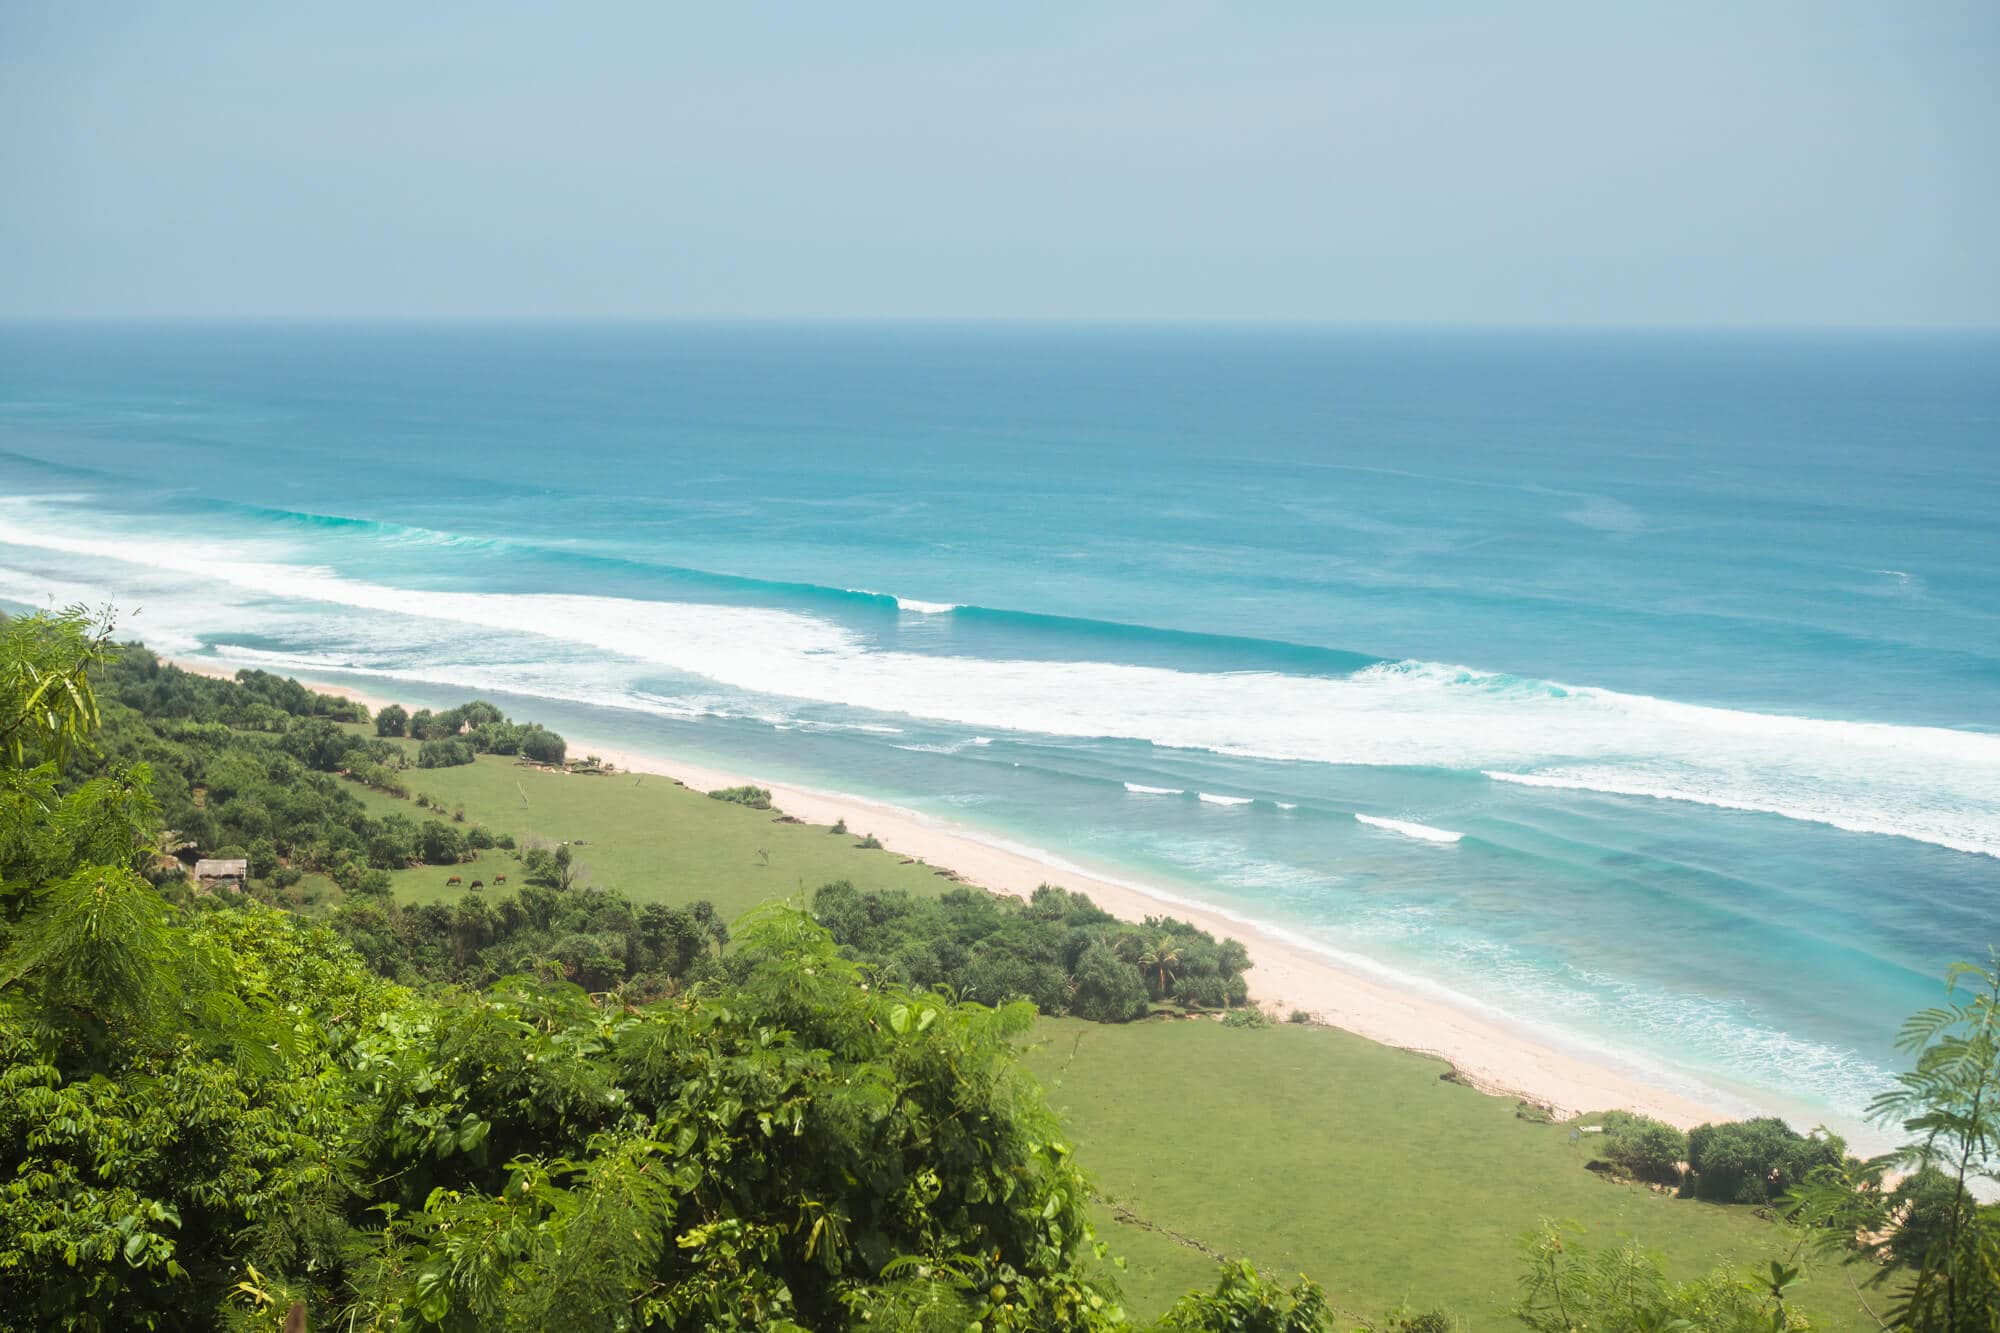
point(1312, 1150)
point(1304, 1149)
point(647, 836)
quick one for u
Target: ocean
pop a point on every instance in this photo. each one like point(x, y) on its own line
point(1641, 687)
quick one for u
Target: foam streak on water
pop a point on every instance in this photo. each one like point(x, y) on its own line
point(1927, 783)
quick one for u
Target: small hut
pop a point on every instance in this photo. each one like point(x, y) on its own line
point(213, 875)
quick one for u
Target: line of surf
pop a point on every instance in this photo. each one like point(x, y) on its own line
point(1227, 651)
point(1422, 832)
point(1931, 784)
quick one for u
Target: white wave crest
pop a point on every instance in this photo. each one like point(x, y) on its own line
point(1410, 830)
point(1141, 789)
point(1212, 799)
point(925, 608)
point(1933, 784)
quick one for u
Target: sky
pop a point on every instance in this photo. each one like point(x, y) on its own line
point(1787, 162)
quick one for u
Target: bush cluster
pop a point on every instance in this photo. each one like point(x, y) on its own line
point(1059, 950)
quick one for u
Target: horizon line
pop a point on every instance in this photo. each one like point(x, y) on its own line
point(985, 321)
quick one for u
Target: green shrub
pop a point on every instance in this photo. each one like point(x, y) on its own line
point(542, 745)
point(1298, 1016)
point(1250, 1016)
point(839, 826)
point(1644, 1148)
point(757, 798)
point(1203, 992)
point(392, 721)
point(1247, 1301)
point(1107, 988)
point(444, 753)
point(1755, 1161)
point(439, 844)
point(870, 843)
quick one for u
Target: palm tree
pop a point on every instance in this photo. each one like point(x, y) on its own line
point(1163, 955)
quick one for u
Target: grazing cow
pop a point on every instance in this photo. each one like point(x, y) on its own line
point(478, 884)
point(499, 879)
point(452, 880)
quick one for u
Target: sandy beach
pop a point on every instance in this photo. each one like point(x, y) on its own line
point(1287, 976)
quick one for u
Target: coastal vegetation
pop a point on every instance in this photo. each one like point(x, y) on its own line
point(586, 1099)
point(1058, 950)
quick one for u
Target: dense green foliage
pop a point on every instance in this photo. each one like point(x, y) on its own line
point(585, 1112)
point(1569, 1287)
point(1644, 1148)
point(599, 940)
point(1928, 1238)
point(218, 1110)
point(1059, 950)
point(1755, 1161)
point(443, 752)
point(757, 798)
point(253, 767)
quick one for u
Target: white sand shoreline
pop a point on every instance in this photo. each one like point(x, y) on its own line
point(1288, 975)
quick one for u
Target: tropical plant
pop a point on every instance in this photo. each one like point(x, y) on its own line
point(1926, 1236)
point(1568, 1288)
point(48, 703)
point(1161, 955)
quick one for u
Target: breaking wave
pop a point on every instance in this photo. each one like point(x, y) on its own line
point(1410, 830)
point(1932, 784)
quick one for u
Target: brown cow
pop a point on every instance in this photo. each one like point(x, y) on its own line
point(499, 879)
point(478, 884)
point(452, 880)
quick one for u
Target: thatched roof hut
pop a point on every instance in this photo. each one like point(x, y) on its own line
point(231, 873)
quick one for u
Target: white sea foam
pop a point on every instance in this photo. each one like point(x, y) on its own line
point(925, 608)
point(1141, 789)
point(1212, 799)
point(1288, 805)
point(1933, 784)
point(1410, 830)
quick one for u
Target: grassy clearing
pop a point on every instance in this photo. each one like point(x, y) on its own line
point(647, 836)
point(1304, 1149)
point(1313, 1150)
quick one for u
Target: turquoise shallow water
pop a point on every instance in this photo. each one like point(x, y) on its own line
point(1641, 687)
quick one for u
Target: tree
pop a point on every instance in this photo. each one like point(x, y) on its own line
point(1568, 1288)
point(393, 720)
point(1757, 1160)
point(1950, 1101)
point(1161, 957)
point(1246, 1301)
point(542, 745)
point(552, 870)
point(1106, 989)
point(1644, 1148)
point(318, 743)
point(48, 705)
point(705, 916)
point(438, 843)
point(443, 752)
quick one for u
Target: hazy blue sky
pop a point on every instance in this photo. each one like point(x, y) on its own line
point(1765, 161)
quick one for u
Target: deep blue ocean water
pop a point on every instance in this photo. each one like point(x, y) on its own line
point(1668, 662)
